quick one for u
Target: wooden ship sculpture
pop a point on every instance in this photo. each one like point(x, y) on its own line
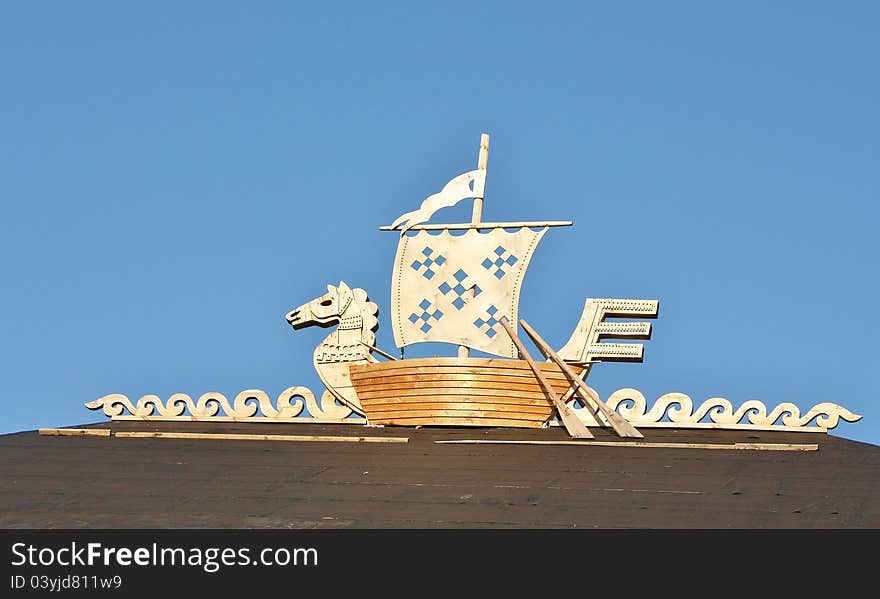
point(460, 284)
point(464, 289)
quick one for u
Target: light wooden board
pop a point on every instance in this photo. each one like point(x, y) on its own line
point(463, 414)
point(408, 407)
point(499, 387)
point(725, 426)
point(432, 363)
point(260, 419)
point(428, 383)
point(246, 437)
point(460, 395)
point(465, 418)
point(468, 408)
point(446, 421)
point(498, 380)
point(645, 444)
point(552, 374)
point(75, 432)
point(493, 388)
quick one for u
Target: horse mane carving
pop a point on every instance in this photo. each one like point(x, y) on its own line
point(370, 314)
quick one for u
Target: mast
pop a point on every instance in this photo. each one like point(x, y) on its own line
point(477, 214)
point(482, 165)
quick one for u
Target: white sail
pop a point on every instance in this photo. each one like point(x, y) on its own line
point(456, 288)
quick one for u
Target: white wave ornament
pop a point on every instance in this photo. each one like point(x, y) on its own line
point(251, 405)
point(456, 288)
point(677, 410)
point(298, 404)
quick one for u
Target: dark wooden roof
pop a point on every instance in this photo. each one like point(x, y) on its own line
point(94, 482)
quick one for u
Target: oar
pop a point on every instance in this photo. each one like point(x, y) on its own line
point(572, 423)
point(620, 426)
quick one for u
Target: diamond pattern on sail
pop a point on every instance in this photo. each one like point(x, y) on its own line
point(456, 288)
point(426, 316)
point(498, 262)
point(430, 260)
point(488, 324)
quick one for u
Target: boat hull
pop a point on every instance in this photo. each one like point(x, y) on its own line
point(456, 392)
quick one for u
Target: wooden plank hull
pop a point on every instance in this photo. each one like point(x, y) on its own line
point(455, 392)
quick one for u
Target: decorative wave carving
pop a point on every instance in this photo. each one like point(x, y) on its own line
point(251, 404)
point(298, 404)
point(678, 410)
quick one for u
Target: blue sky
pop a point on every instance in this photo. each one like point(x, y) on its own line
point(176, 177)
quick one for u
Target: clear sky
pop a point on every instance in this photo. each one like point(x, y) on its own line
point(177, 176)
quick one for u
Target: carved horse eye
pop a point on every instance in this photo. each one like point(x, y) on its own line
point(327, 302)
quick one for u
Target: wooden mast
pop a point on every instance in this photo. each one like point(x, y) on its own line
point(477, 215)
point(482, 164)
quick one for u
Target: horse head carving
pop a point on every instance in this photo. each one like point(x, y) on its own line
point(323, 311)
